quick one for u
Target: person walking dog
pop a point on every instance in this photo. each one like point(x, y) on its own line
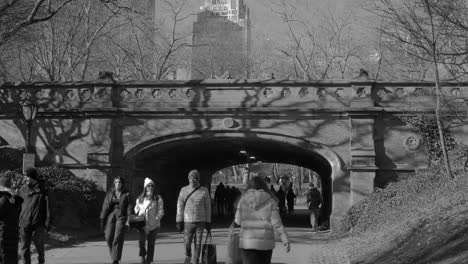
point(116, 208)
point(258, 216)
point(193, 215)
point(150, 205)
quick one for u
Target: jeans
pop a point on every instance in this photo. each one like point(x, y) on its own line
point(314, 217)
point(114, 233)
point(193, 232)
point(253, 256)
point(36, 235)
point(151, 239)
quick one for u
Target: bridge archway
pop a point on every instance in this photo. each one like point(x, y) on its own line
point(168, 160)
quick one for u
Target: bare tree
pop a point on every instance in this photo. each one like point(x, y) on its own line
point(148, 48)
point(321, 49)
point(425, 30)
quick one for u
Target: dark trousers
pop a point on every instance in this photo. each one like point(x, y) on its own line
point(149, 238)
point(115, 235)
point(36, 235)
point(220, 205)
point(193, 232)
point(253, 256)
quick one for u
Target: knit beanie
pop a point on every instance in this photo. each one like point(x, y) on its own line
point(148, 181)
point(32, 173)
point(194, 174)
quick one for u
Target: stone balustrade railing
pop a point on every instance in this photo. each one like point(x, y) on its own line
point(132, 96)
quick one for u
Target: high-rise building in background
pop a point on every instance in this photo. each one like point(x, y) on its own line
point(221, 40)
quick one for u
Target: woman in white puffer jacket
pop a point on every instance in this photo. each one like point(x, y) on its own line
point(149, 204)
point(258, 215)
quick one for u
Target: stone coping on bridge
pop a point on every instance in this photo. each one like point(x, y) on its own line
point(140, 95)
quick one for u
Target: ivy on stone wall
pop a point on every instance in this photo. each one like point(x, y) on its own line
point(427, 128)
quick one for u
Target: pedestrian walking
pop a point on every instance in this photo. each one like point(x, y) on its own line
point(290, 197)
point(116, 209)
point(150, 205)
point(36, 217)
point(193, 215)
point(314, 201)
point(220, 198)
point(258, 216)
point(10, 208)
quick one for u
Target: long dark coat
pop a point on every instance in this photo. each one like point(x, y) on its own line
point(10, 208)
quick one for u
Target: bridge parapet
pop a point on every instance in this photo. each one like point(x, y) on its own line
point(133, 96)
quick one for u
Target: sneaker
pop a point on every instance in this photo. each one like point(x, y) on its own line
point(142, 260)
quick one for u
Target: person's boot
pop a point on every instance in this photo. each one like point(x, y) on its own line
point(115, 262)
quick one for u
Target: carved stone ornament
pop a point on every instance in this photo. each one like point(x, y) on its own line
point(172, 93)
point(412, 142)
point(268, 92)
point(190, 93)
point(400, 93)
point(228, 122)
point(304, 92)
point(361, 92)
point(456, 92)
point(321, 93)
point(156, 93)
point(286, 92)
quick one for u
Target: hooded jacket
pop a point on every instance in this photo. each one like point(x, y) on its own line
point(36, 208)
point(258, 215)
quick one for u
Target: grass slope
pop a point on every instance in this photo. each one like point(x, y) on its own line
point(419, 219)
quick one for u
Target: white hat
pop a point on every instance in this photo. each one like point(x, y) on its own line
point(148, 181)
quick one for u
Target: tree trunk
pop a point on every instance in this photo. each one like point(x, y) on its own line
point(439, 122)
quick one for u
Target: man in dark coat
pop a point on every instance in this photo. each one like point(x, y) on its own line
point(220, 199)
point(10, 208)
point(314, 201)
point(36, 216)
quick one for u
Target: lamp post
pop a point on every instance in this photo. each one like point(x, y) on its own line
point(29, 110)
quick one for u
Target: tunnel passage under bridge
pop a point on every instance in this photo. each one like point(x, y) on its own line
point(168, 160)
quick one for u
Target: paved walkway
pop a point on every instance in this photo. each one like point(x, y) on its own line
point(306, 248)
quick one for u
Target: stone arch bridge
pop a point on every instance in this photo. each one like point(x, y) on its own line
point(348, 131)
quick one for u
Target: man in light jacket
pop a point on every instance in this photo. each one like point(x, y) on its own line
point(193, 215)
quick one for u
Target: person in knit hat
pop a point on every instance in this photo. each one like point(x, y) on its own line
point(193, 215)
point(150, 205)
point(36, 216)
point(10, 208)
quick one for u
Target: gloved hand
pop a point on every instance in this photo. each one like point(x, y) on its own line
point(180, 227)
point(208, 227)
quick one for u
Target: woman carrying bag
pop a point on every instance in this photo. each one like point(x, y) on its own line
point(258, 215)
point(150, 206)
